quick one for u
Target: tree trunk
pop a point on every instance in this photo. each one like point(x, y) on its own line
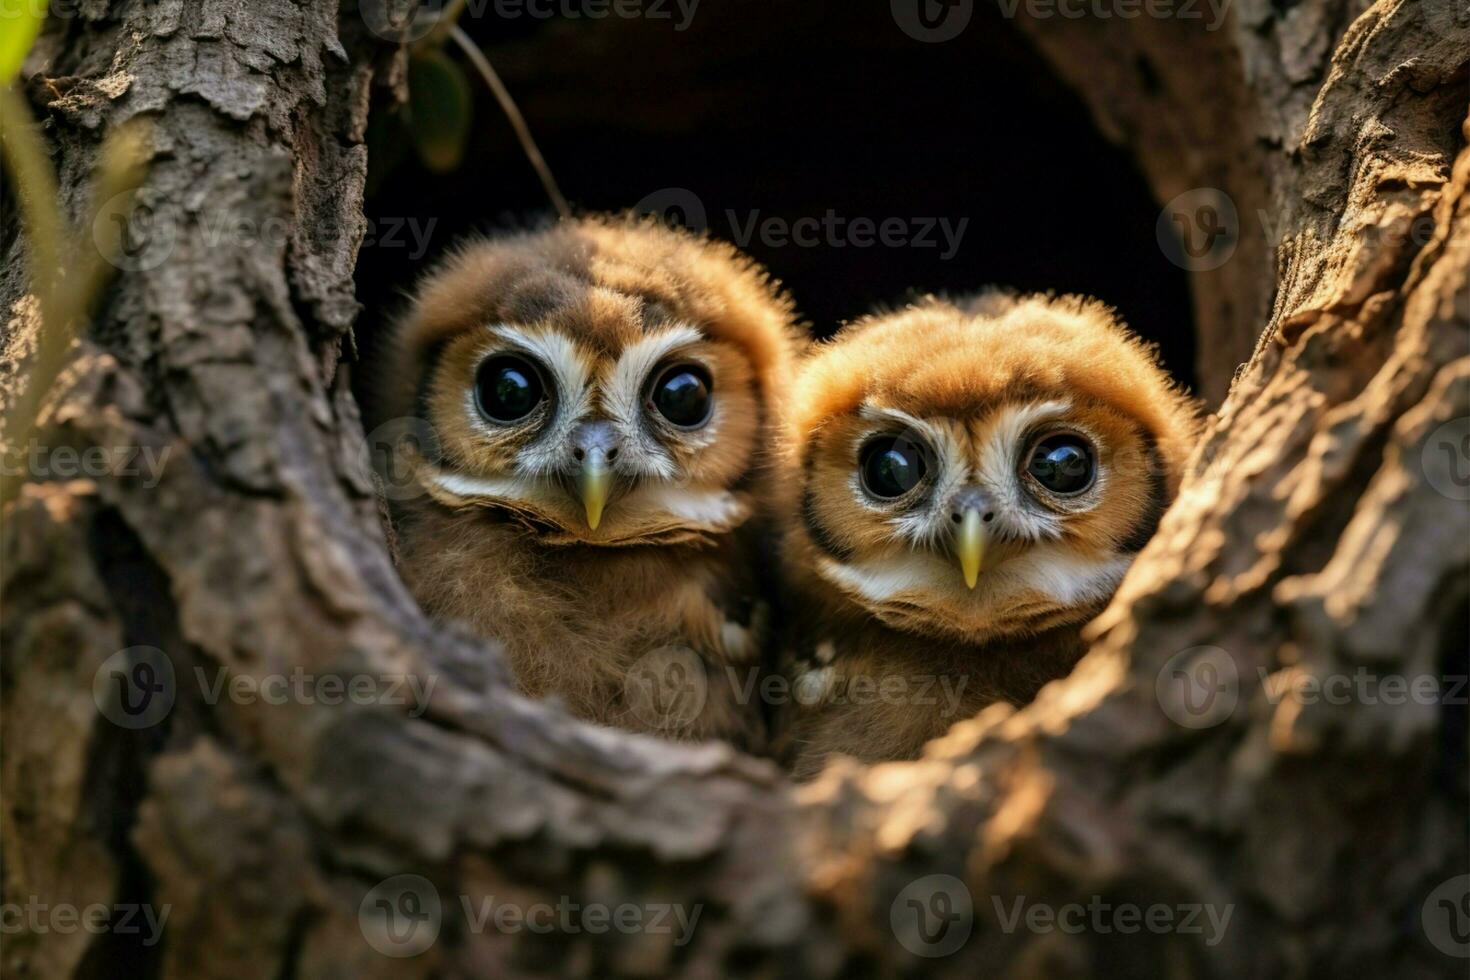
point(1234, 755)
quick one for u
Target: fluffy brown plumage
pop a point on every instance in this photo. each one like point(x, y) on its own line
point(599, 398)
point(967, 483)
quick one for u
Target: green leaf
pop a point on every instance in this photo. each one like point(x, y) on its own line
point(20, 22)
point(441, 110)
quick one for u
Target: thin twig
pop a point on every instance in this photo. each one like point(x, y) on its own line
point(443, 25)
point(517, 121)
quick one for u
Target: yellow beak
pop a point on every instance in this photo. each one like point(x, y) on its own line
point(593, 483)
point(969, 546)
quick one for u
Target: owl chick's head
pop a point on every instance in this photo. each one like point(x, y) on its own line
point(982, 469)
point(600, 382)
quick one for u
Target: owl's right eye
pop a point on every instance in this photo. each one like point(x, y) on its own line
point(508, 388)
point(891, 466)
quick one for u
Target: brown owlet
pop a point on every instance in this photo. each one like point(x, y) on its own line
point(592, 492)
point(966, 485)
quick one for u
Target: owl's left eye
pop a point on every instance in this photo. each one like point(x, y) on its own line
point(891, 467)
point(508, 388)
point(1062, 463)
point(682, 395)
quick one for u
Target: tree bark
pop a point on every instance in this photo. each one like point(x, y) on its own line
point(1322, 535)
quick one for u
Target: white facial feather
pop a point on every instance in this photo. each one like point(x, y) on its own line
point(622, 398)
point(1048, 568)
point(706, 509)
point(570, 371)
point(997, 469)
point(578, 394)
point(509, 488)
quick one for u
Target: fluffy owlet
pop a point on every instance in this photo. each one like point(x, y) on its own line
point(967, 484)
point(591, 492)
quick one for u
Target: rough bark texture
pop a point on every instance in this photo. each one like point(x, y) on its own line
point(1323, 534)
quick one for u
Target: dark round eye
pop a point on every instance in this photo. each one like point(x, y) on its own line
point(1062, 463)
point(508, 388)
point(682, 395)
point(891, 466)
